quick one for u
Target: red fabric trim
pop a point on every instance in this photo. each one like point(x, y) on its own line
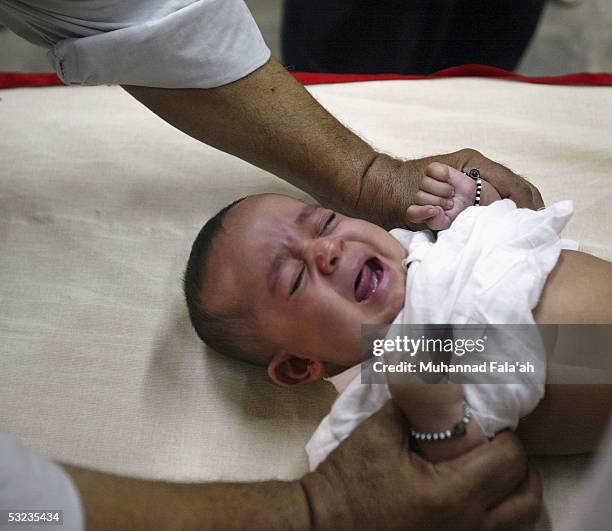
point(585, 78)
point(36, 79)
point(39, 79)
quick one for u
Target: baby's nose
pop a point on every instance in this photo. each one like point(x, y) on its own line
point(327, 254)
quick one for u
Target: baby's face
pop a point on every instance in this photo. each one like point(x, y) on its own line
point(311, 277)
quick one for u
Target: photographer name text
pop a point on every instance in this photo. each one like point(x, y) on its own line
point(489, 367)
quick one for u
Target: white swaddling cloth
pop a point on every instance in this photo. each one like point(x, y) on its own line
point(490, 266)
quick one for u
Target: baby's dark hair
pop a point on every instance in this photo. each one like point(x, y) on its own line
point(229, 332)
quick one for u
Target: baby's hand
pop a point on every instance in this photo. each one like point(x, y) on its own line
point(444, 193)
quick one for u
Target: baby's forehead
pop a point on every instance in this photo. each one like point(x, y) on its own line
point(266, 208)
point(259, 215)
point(252, 234)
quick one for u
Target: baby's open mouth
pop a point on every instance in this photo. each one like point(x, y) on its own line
point(368, 279)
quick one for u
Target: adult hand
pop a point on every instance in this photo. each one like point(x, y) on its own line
point(507, 183)
point(389, 186)
point(372, 481)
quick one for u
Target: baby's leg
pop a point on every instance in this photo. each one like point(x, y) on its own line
point(443, 193)
point(572, 417)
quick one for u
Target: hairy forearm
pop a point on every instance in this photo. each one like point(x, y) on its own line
point(268, 119)
point(271, 121)
point(119, 503)
point(369, 481)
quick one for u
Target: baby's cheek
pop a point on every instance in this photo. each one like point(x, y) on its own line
point(341, 322)
point(318, 318)
point(398, 304)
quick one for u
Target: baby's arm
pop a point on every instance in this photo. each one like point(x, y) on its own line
point(444, 192)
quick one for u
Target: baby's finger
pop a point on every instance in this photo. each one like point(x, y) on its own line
point(436, 187)
point(438, 171)
point(420, 214)
point(424, 198)
point(439, 221)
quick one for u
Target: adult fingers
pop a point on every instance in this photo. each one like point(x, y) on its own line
point(509, 184)
point(521, 509)
point(538, 201)
point(522, 193)
point(489, 473)
point(505, 181)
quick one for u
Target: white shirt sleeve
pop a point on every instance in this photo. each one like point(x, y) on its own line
point(29, 481)
point(156, 43)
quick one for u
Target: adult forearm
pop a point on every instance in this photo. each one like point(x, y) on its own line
point(371, 481)
point(119, 503)
point(268, 119)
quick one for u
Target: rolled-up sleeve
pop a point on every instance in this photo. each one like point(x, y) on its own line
point(163, 43)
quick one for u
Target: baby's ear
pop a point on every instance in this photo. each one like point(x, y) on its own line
point(290, 371)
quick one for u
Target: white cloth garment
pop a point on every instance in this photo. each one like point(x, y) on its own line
point(157, 43)
point(489, 267)
point(29, 481)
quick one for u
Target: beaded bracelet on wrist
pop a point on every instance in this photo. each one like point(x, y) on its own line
point(475, 174)
point(458, 430)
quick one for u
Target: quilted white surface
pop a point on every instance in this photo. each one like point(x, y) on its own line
point(99, 203)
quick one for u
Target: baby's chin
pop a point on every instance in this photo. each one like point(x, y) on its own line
point(395, 302)
point(351, 352)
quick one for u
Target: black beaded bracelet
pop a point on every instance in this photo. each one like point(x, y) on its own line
point(458, 430)
point(475, 174)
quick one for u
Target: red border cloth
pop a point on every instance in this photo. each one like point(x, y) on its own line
point(585, 78)
point(38, 79)
point(16, 79)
